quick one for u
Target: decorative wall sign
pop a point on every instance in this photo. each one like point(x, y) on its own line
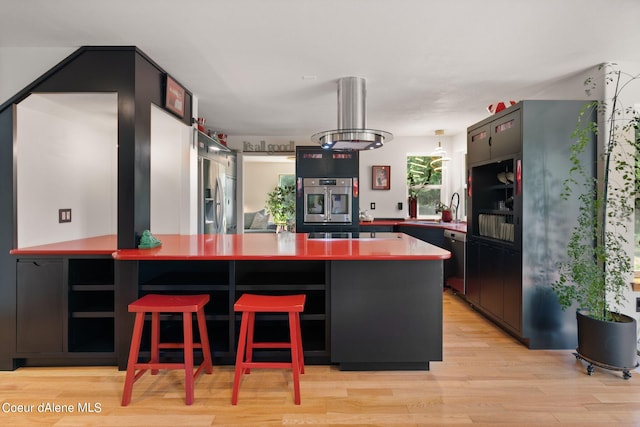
point(174, 97)
point(263, 147)
point(381, 177)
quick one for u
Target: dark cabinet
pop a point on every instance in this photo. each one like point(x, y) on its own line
point(376, 228)
point(478, 146)
point(386, 315)
point(40, 307)
point(65, 306)
point(491, 270)
point(518, 223)
point(434, 235)
point(500, 137)
point(316, 162)
point(512, 289)
point(493, 283)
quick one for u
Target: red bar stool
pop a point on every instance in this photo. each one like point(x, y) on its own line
point(156, 304)
point(249, 304)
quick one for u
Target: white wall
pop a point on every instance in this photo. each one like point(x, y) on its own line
point(66, 158)
point(629, 98)
point(20, 66)
point(393, 154)
point(173, 170)
point(260, 178)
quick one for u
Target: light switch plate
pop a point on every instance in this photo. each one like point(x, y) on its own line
point(64, 215)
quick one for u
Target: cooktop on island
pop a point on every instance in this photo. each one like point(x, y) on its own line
point(352, 235)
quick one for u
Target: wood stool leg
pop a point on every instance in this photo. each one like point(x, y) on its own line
point(240, 357)
point(300, 350)
point(249, 352)
point(187, 318)
point(133, 359)
point(295, 356)
point(155, 340)
point(204, 342)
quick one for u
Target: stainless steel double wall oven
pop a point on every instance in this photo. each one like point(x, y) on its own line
point(328, 200)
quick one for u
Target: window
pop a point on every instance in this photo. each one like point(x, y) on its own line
point(286, 180)
point(425, 183)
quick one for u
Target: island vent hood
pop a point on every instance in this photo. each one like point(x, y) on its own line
point(352, 133)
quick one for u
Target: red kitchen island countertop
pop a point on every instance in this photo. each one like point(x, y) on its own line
point(396, 246)
point(286, 246)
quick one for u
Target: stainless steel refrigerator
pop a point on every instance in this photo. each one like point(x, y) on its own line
point(216, 191)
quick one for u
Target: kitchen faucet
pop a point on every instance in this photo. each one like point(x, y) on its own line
point(457, 197)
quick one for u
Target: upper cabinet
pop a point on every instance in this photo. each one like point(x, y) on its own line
point(495, 137)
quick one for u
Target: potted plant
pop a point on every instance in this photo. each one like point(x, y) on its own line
point(281, 204)
point(597, 272)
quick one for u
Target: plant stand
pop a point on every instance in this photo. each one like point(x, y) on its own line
point(590, 368)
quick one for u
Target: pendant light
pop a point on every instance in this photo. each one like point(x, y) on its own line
point(439, 155)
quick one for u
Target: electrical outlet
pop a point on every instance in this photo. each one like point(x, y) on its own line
point(64, 215)
point(372, 206)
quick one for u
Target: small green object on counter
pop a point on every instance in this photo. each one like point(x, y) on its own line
point(148, 241)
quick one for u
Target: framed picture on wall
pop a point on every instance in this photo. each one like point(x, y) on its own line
point(174, 97)
point(381, 177)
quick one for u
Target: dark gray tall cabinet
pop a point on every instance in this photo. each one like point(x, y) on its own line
point(519, 224)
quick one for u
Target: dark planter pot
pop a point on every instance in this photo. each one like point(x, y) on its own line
point(610, 344)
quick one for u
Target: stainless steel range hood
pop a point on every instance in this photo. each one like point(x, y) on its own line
point(352, 133)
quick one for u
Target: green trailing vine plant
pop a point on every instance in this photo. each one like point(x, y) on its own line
point(596, 273)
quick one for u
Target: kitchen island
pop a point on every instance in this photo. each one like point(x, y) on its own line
point(374, 300)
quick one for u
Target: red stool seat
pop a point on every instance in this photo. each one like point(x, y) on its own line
point(249, 304)
point(156, 304)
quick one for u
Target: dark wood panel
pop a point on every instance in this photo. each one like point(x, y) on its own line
point(506, 135)
point(513, 290)
point(491, 268)
point(478, 148)
point(386, 315)
point(41, 311)
point(7, 241)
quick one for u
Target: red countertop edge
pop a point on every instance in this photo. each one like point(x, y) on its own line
point(285, 246)
point(99, 245)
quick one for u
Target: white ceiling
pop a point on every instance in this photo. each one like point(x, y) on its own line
point(429, 64)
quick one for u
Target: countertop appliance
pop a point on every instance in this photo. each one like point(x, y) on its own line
point(327, 200)
point(454, 268)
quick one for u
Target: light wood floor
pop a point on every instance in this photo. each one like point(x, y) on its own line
point(486, 379)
